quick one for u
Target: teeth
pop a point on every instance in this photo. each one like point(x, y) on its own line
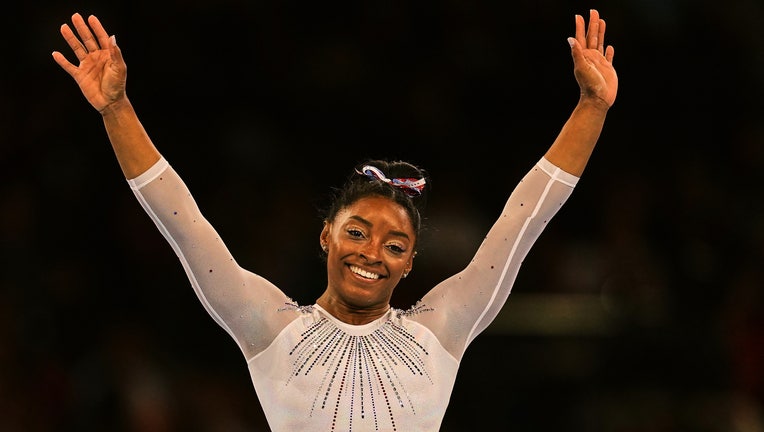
point(364, 273)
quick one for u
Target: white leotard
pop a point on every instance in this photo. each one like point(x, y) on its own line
point(313, 372)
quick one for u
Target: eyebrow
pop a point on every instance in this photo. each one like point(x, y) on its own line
point(369, 224)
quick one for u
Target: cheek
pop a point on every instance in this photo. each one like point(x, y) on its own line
point(338, 247)
point(334, 266)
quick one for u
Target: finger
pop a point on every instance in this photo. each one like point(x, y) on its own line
point(610, 53)
point(65, 64)
point(88, 40)
point(100, 33)
point(601, 37)
point(116, 52)
point(575, 49)
point(580, 29)
point(79, 50)
point(592, 34)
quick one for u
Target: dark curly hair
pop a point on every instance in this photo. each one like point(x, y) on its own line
point(362, 184)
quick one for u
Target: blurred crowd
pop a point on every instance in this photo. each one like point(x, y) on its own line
point(655, 263)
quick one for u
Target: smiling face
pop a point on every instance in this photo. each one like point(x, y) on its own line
point(370, 247)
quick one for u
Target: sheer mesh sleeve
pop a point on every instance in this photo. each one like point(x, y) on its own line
point(466, 303)
point(242, 303)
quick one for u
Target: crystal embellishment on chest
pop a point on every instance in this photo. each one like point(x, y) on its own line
point(366, 374)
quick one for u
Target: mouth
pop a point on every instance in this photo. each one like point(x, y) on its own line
point(364, 274)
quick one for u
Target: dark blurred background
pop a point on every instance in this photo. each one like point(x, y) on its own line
point(639, 309)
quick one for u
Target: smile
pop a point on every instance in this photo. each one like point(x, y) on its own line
point(361, 272)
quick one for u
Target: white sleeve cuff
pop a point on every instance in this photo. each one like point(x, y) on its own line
point(557, 173)
point(148, 175)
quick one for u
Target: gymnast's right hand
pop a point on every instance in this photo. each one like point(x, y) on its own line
point(102, 72)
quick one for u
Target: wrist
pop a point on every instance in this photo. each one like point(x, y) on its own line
point(116, 106)
point(594, 103)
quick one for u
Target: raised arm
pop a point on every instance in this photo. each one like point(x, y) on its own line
point(597, 79)
point(101, 76)
point(243, 303)
point(470, 300)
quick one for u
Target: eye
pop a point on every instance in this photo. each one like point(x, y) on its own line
point(355, 232)
point(397, 249)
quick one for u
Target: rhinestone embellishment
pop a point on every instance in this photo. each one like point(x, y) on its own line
point(368, 373)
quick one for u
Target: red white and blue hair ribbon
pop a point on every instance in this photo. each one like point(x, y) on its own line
point(411, 186)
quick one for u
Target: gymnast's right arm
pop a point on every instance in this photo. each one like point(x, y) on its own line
point(241, 302)
point(101, 76)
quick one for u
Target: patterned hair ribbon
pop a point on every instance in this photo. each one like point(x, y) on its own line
point(411, 186)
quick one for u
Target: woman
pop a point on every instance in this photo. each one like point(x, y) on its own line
point(350, 361)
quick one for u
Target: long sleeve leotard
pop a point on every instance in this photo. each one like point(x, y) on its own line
point(314, 372)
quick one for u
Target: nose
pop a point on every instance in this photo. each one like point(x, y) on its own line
point(370, 251)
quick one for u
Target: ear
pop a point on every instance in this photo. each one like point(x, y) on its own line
point(323, 239)
point(409, 264)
